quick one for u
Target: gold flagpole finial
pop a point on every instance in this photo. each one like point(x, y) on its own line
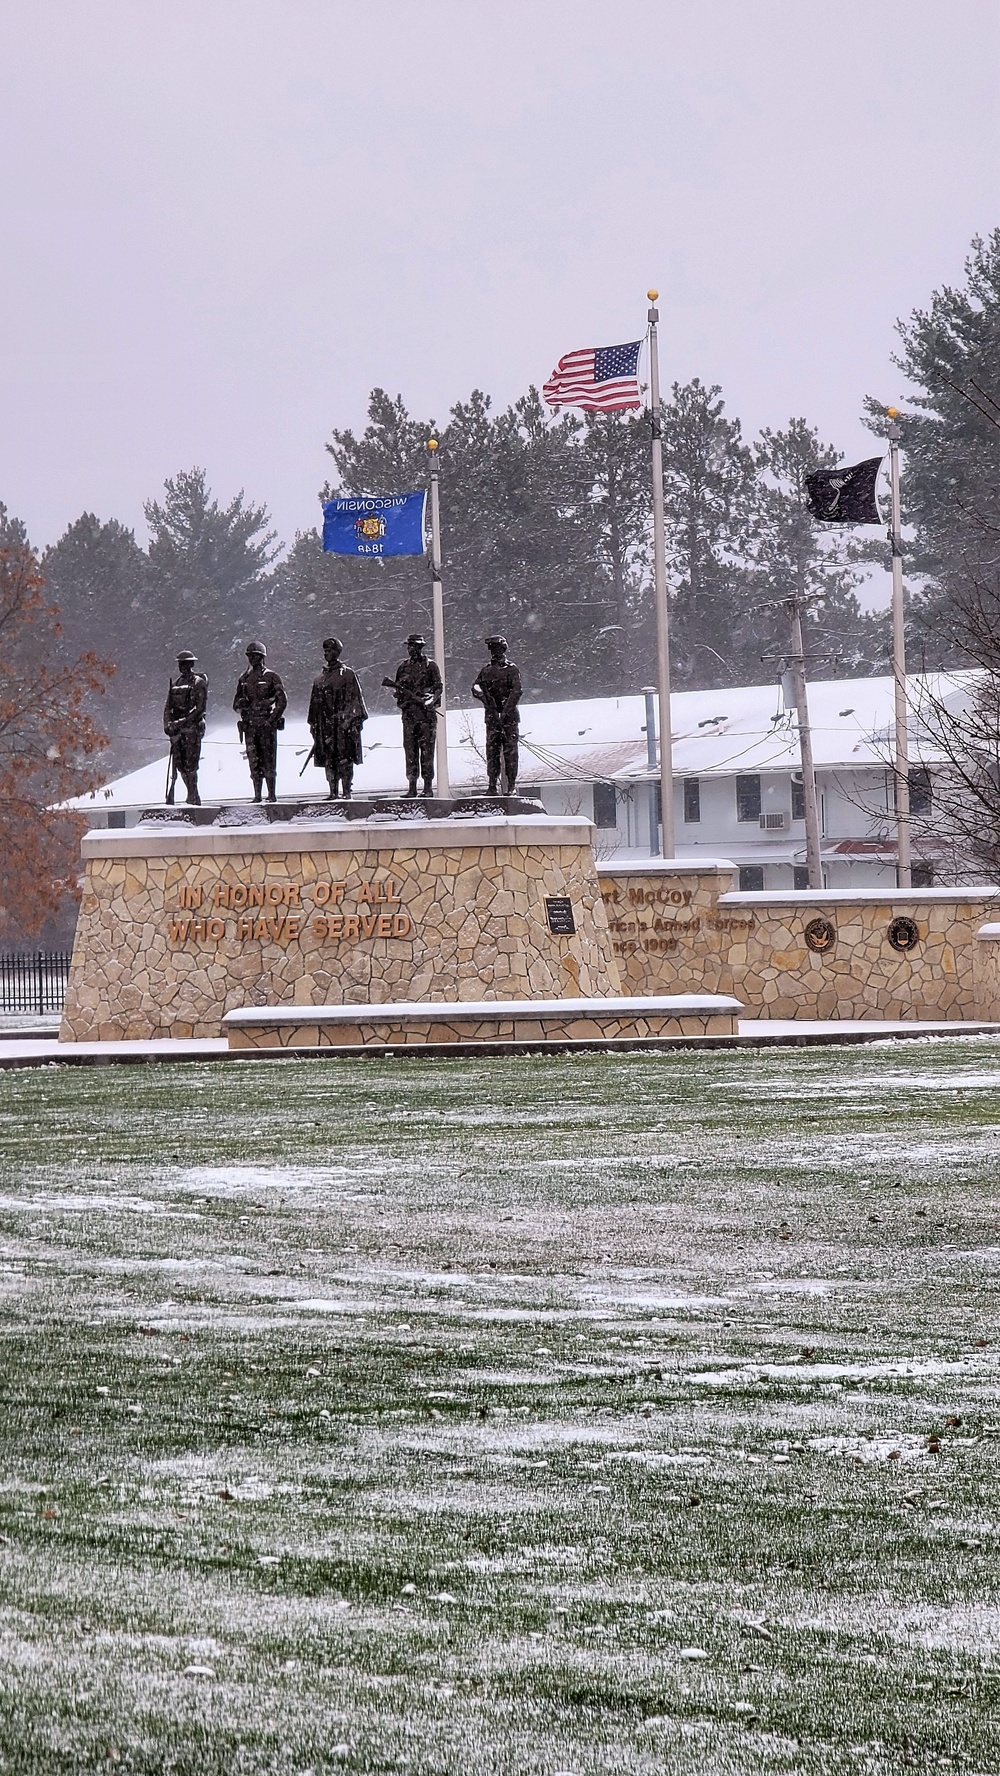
point(652, 294)
point(432, 443)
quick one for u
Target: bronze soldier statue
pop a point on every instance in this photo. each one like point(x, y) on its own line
point(498, 688)
point(260, 705)
point(419, 688)
point(336, 715)
point(184, 724)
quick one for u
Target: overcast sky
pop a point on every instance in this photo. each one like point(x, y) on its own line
point(224, 221)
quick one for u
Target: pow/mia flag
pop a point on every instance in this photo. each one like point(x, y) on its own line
point(845, 496)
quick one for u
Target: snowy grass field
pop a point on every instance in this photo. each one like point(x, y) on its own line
point(578, 1415)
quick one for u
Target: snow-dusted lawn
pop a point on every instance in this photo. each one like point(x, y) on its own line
point(530, 1416)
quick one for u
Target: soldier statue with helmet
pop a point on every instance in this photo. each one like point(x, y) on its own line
point(418, 687)
point(184, 725)
point(498, 689)
point(336, 715)
point(260, 705)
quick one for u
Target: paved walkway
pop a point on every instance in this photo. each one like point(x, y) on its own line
point(859, 1029)
point(31, 1049)
point(35, 1051)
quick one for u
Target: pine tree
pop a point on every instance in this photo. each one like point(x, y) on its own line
point(98, 576)
point(708, 493)
point(951, 463)
point(617, 451)
point(519, 546)
point(793, 557)
point(522, 546)
point(369, 605)
point(951, 495)
point(390, 456)
point(208, 569)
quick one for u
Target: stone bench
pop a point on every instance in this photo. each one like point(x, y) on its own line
point(535, 1022)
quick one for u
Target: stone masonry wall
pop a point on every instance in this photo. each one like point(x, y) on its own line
point(370, 1032)
point(756, 946)
point(166, 944)
point(176, 930)
point(861, 974)
point(987, 972)
point(665, 927)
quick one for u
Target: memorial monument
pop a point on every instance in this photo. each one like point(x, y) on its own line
point(346, 921)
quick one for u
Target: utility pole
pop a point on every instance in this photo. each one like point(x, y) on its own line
point(443, 784)
point(904, 871)
point(654, 826)
point(660, 593)
point(797, 667)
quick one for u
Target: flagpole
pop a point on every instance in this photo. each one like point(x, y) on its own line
point(660, 594)
point(797, 666)
point(443, 784)
point(904, 871)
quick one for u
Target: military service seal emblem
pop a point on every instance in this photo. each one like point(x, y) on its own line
point(820, 936)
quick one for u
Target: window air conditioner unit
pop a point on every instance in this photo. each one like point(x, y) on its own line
point(774, 822)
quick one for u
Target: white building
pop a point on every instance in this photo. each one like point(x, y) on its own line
point(738, 790)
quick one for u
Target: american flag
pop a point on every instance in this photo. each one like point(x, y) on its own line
point(603, 380)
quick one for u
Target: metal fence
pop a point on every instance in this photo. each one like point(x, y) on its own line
point(33, 980)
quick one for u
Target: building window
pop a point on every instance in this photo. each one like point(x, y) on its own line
point(752, 878)
point(800, 876)
point(920, 790)
point(605, 804)
point(692, 801)
point(798, 798)
point(748, 798)
point(532, 792)
point(922, 875)
point(116, 817)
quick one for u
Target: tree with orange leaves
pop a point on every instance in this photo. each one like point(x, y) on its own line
point(49, 741)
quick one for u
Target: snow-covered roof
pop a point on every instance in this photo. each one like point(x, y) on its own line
point(747, 729)
point(586, 739)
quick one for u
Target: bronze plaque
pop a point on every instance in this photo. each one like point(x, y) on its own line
point(559, 913)
point(820, 936)
point(903, 935)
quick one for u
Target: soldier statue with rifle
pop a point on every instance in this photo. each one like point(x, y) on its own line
point(418, 689)
point(336, 715)
point(184, 725)
point(260, 705)
point(498, 688)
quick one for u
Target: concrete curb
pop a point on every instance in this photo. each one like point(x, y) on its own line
point(70, 1056)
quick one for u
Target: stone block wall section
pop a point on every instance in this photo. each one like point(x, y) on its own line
point(986, 966)
point(770, 951)
point(860, 972)
point(534, 1021)
point(178, 926)
point(666, 931)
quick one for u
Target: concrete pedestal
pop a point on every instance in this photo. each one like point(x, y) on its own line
point(184, 919)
